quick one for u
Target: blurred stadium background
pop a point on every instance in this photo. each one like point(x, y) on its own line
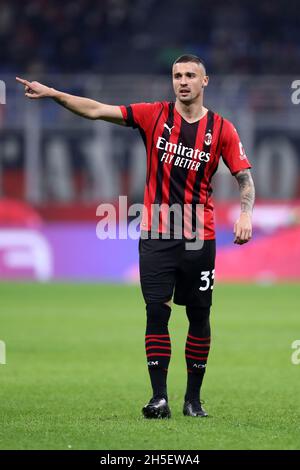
point(56, 168)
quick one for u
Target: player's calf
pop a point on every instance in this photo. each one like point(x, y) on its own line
point(196, 353)
point(158, 352)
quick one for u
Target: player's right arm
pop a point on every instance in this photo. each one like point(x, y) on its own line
point(84, 107)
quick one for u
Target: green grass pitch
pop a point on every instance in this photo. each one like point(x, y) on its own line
point(76, 372)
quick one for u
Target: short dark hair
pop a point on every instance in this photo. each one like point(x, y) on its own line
point(190, 58)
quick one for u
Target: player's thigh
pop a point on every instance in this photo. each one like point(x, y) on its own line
point(158, 261)
point(195, 276)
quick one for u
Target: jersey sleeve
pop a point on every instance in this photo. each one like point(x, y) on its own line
point(232, 150)
point(140, 114)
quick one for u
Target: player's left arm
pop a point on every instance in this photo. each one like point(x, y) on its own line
point(243, 226)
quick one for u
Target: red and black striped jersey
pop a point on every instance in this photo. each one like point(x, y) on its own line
point(182, 157)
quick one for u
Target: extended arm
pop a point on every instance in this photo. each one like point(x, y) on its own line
point(243, 226)
point(84, 107)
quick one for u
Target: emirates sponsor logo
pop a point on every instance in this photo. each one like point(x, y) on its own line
point(180, 155)
point(181, 150)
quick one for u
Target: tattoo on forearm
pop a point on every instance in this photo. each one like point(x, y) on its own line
point(247, 190)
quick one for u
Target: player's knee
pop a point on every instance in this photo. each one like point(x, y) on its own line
point(158, 313)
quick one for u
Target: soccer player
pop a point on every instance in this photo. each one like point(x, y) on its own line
point(184, 142)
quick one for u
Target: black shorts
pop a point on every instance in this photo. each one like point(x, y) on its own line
point(167, 268)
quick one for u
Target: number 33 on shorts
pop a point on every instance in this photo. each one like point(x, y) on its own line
point(207, 278)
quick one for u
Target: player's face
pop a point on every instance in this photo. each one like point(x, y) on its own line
point(189, 80)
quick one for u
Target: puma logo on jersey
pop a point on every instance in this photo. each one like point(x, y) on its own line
point(168, 128)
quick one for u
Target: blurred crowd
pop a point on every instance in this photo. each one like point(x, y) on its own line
point(144, 36)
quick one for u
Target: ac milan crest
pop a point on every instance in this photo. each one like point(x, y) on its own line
point(208, 138)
